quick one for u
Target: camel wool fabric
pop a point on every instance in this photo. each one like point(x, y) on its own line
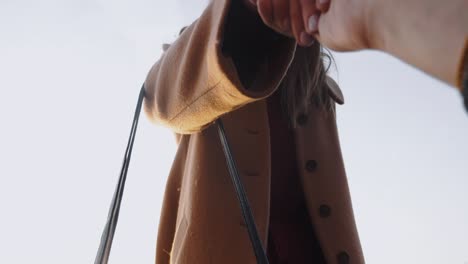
point(191, 86)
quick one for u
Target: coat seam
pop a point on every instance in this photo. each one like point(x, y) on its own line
point(194, 101)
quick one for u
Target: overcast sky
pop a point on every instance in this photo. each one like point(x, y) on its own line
point(70, 72)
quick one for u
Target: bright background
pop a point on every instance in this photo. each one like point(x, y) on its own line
point(70, 72)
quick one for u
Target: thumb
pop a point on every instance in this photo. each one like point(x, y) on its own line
point(328, 35)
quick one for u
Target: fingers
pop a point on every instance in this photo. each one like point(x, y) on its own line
point(281, 15)
point(310, 15)
point(265, 10)
point(322, 5)
point(275, 14)
point(327, 33)
point(291, 18)
point(303, 9)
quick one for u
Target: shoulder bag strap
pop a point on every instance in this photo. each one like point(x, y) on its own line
point(242, 197)
point(107, 236)
point(103, 253)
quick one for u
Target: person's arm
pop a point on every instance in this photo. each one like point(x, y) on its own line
point(202, 74)
point(428, 34)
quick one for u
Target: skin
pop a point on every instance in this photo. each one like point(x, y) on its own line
point(428, 34)
point(284, 16)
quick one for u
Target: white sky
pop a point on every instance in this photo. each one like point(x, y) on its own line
point(70, 72)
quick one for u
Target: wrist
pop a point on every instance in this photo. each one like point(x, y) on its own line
point(378, 22)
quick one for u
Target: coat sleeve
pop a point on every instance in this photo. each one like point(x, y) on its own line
point(195, 82)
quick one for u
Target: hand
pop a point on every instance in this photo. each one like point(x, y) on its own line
point(344, 25)
point(288, 17)
point(340, 24)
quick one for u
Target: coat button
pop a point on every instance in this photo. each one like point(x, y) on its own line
point(311, 165)
point(301, 119)
point(324, 211)
point(343, 258)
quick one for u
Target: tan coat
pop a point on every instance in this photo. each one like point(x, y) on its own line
point(192, 85)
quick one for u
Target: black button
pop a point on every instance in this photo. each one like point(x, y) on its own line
point(343, 258)
point(311, 165)
point(301, 119)
point(325, 210)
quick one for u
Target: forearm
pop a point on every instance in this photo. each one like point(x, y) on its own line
point(429, 34)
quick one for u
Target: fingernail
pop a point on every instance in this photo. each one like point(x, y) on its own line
point(313, 23)
point(306, 39)
point(323, 2)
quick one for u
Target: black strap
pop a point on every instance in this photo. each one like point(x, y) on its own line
point(103, 253)
point(102, 256)
point(242, 197)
